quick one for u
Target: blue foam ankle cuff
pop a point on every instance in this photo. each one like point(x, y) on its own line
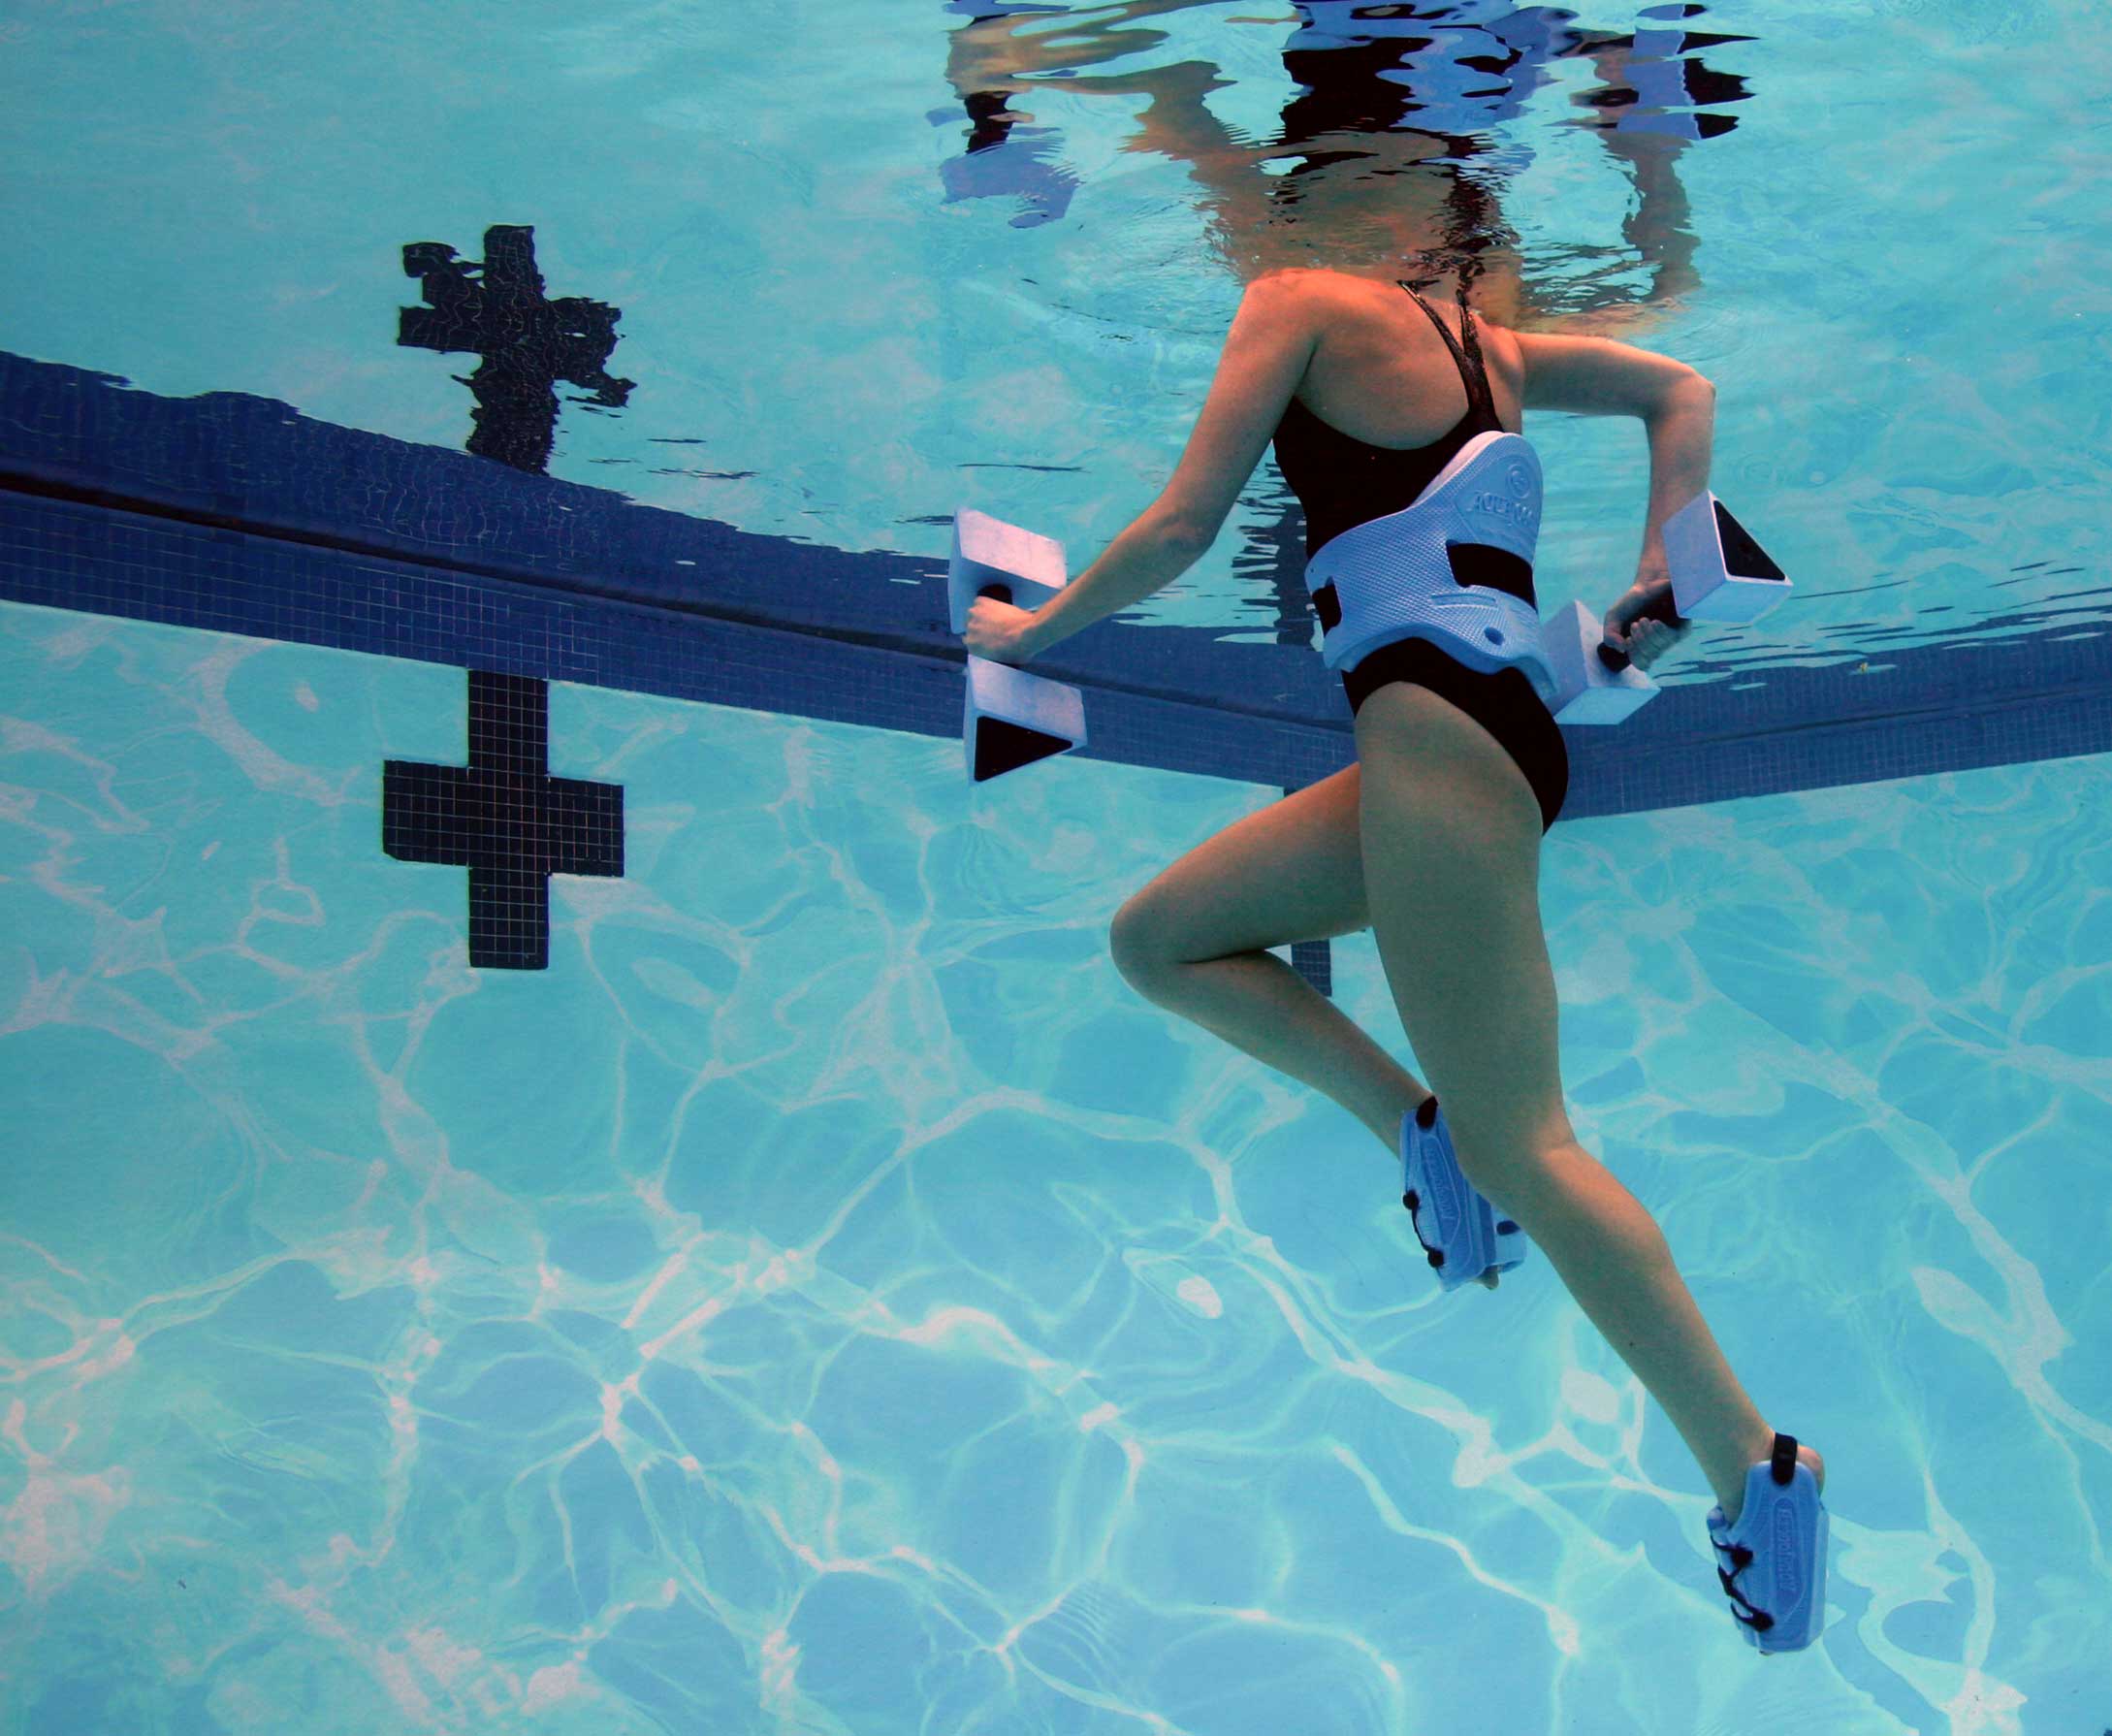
point(1461, 1232)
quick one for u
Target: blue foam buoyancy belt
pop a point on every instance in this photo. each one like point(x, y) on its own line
point(1394, 577)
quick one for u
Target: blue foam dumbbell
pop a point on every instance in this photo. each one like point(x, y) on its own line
point(1718, 573)
point(1010, 718)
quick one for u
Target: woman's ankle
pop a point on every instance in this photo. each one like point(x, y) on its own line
point(1386, 1129)
point(1760, 1453)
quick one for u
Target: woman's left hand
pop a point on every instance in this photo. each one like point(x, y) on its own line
point(995, 630)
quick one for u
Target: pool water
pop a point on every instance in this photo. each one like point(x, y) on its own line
point(827, 1298)
point(830, 1299)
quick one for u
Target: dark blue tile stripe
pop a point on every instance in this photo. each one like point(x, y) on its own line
point(66, 555)
point(237, 513)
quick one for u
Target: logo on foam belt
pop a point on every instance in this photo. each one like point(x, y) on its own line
point(1515, 510)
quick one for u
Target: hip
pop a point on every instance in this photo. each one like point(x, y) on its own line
point(1504, 703)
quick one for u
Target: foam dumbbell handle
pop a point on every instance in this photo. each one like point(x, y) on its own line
point(1659, 608)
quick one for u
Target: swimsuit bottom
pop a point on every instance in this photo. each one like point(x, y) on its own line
point(1504, 704)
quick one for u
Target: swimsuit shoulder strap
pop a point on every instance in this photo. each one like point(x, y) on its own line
point(1472, 369)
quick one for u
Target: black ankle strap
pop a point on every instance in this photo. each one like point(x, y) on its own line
point(1783, 1468)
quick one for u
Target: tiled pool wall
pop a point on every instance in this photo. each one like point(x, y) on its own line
point(235, 513)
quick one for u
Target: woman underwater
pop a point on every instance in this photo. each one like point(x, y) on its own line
point(1371, 393)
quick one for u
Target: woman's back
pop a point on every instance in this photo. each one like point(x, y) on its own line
point(1383, 373)
point(1396, 385)
point(1398, 381)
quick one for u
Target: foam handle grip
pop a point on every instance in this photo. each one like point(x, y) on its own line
point(1660, 607)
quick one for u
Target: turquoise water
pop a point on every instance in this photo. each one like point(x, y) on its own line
point(828, 1300)
point(1916, 388)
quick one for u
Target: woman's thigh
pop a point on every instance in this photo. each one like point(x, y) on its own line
point(1291, 871)
point(1450, 831)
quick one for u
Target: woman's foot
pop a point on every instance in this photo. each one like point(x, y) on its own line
point(1732, 1502)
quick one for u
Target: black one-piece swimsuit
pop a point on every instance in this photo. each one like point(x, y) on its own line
point(1341, 482)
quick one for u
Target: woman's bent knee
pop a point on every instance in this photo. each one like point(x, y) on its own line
point(1139, 954)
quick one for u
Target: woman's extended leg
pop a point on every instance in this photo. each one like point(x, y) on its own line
point(1450, 836)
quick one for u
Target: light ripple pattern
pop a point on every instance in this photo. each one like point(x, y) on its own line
point(828, 1298)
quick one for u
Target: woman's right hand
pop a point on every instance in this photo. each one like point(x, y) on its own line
point(1642, 622)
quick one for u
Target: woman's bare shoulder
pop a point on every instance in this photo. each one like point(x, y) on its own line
point(1496, 301)
point(1500, 300)
point(1347, 293)
point(1353, 302)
